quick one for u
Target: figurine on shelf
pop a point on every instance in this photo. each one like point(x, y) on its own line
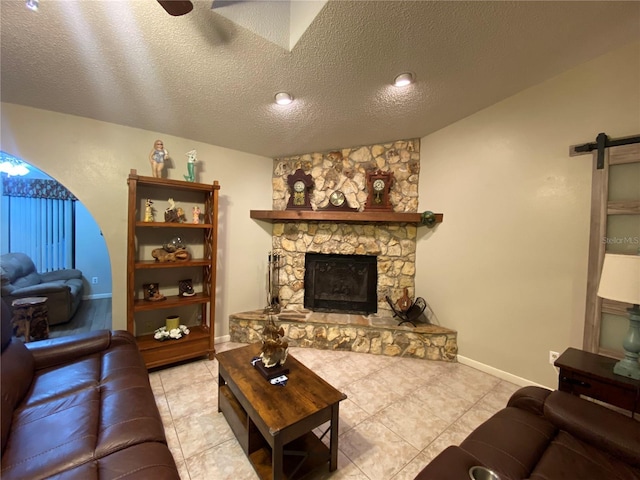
point(174, 244)
point(157, 157)
point(181, 216)
point(152, 292)
point(148, 210)
point(185, 288)
point(191, 166)
point(173, 251)
point(171, 214)
point(162, 255)
point(196, 214)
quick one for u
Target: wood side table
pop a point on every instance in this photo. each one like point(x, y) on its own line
point(30, 318)
point(591, 375)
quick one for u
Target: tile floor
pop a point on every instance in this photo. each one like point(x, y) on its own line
point(398, 415)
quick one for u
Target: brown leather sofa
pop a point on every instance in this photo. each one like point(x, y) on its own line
point(546, 435)
point(79, 407)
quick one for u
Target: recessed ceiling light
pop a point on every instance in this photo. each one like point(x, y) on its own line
point(283, 98)
point(33, 5)
point(403, 80)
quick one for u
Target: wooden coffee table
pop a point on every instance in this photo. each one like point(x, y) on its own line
point(274, 424)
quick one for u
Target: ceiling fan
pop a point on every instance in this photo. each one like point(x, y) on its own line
point(176, 7)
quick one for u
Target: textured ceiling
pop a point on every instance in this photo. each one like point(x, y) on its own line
point(205, 78)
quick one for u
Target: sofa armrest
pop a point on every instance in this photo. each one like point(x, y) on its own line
point(56, 351)
point(595, 424)
point(453, 463)
point(57, 275)
point(530, 399)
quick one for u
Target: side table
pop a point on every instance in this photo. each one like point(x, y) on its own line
point(591, 375)
point(30, 318)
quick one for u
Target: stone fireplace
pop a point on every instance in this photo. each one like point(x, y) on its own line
point(308, 317)
point(394, 244)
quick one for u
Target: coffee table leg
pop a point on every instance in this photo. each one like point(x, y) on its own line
point(333, 441)
point(277, 458)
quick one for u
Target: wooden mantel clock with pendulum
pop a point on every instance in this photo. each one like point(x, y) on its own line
point(300, 184)
point(378, 188)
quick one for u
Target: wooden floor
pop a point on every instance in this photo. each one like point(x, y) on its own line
point(91, 315)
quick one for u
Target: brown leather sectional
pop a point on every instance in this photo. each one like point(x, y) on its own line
point(546, 435)
point(79, 407)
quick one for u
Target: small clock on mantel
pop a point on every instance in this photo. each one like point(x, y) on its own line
point(338, 201)
point(300, 184)
point(378, 188)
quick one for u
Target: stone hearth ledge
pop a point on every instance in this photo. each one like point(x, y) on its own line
point(356, 333)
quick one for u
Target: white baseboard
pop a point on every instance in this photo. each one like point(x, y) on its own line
point(97, 296)
point(222, 339)
point(501, 374)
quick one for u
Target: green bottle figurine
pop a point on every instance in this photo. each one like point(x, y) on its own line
point(191, 166)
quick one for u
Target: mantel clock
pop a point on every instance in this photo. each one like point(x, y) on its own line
point(378, 188)
point(300, 185)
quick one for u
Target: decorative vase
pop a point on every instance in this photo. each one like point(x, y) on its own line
point(172, 322)
point(404, 302)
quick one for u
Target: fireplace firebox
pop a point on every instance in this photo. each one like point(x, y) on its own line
point(341, 283)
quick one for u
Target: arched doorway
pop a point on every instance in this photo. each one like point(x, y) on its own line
point(67, 237)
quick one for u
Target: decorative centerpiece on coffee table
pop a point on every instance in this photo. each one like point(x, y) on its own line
point(274, 351)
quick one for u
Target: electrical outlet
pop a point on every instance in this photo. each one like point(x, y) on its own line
point(94, 280)
point(553, 356)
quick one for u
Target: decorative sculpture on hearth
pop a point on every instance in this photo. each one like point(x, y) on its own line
point(274, 345)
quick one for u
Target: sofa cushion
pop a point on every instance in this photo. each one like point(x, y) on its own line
point(78, 375)
point(569, 457)
point(63, 275)
point(595, 424)
point(51, 437)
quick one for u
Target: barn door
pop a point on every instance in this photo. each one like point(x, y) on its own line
point(615, 228)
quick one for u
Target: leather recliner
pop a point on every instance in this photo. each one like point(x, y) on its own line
point(63, 288)
point(79, 407)
point(546, 435)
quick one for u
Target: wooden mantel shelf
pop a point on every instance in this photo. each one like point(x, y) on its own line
point(337, 216)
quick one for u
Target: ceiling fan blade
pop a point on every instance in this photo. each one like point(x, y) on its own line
point(176, 7)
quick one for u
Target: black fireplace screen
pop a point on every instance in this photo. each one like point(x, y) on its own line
point(341, 283)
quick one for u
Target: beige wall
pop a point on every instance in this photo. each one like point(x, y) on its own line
point(508, 266)
point(93, 160)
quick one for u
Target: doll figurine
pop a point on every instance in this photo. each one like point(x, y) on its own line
point(196, 214)
point(148, 210)
point(191, 166)
point(157, 156)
